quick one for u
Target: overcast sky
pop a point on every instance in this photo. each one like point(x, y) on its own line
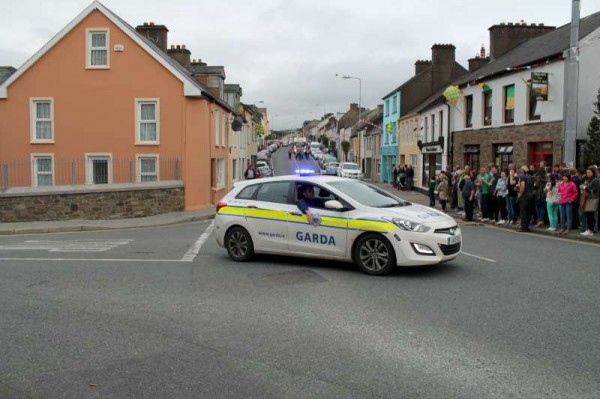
point(287, 52)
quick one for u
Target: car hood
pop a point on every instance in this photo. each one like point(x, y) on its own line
point(416, 213)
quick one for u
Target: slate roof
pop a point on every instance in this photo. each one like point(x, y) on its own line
point(456, 69)
point(207, 70)
point(549, 46)
point(5, 72)
point(545, 47)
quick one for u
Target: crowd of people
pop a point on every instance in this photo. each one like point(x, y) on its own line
point(562, 198)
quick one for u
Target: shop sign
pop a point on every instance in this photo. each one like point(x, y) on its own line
point(432, 149)
point(539, 86)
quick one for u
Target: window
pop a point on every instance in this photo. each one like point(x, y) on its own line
point(220, 173)
point(99, 169)
point(487, 108)
point(413, 160)
point(534, 105)
point(147, 117)
point(42, 120)
point(217, 128)
point(322, 195)
point(509, 104)
point(97, 49)
point(42, 170)
point(378, 166)
point(432, 127)
point(248, 192)
point(234, 169)
point(471, 153)
point(147, 168)
point(394, 132)
point(503, 155)
point(426, 128)
point(469, 111)
point(223, 129)
point(387, 107)
point(274, 192)
point(441, 129)
point(394, 104)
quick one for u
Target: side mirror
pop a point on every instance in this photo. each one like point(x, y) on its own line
point(334, 204)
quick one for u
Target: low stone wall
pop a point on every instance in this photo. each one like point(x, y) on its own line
point(114, 201)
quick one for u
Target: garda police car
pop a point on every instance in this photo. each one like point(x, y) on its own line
point(353, 221)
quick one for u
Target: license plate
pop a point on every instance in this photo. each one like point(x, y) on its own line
point(453, 240)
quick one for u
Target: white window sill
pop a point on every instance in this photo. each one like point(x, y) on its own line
point(508, 124)
point(41, 142)
point(147, 143)
point(532, 122)
point(217, 188)
point(102, 67)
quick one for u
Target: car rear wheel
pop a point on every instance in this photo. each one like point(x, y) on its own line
point(374, 255)
point(239, 244)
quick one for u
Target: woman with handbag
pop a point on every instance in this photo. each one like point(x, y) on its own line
point(590, 198)
point(552, 199)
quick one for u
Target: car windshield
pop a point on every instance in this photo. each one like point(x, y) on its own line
point(368, 195)
point(350, 166)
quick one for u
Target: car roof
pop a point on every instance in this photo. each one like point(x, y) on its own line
point(311, 179)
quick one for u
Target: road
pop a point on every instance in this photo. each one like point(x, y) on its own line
point(163, 312)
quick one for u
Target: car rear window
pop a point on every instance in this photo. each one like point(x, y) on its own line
point(248, 192)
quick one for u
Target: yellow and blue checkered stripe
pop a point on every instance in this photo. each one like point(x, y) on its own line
point(362, 224)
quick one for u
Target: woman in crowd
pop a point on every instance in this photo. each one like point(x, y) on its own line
point(552, 199)
point(568, 196)
point(540, 196)
point(443, 190)
point(590, 195)
point(511, 185)
point(500, 194)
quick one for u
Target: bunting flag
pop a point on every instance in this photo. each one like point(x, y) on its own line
point(389, 128)
point(510, 97)
point(452, 95)
point(486, 89)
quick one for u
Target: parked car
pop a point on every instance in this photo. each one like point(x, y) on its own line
point(262, 163)
point(331, 168)
point(264, 171)
point(350, 170)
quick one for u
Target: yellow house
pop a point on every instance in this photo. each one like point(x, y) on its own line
point(409, 152)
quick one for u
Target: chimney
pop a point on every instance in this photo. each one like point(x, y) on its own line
point(198, 62)
point(505, 37)
point(442, 62)
point(421, 65)
point(380, 108)
point(181, 55)
point(479, 60)
point(157, 34)
point(354, 107)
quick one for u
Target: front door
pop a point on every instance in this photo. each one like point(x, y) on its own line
point(267, 212)
point(327, 236)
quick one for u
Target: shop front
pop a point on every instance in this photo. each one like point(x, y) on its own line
point(432, 162)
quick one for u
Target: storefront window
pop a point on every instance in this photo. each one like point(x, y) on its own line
point(503, 155)
point(471, 153)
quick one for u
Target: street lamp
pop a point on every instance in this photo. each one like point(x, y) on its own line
point(359, 104)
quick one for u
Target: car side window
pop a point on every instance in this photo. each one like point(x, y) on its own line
point(248, 192)
point(274, 192)
point(322, 195)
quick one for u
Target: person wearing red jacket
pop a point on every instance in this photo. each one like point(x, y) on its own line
point(567, 191)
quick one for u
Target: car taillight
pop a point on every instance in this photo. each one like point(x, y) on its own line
point(221, 205)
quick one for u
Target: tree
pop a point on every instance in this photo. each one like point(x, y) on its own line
point(324, 140)
point(345, 147)
point(260, 130)
point(592, 148)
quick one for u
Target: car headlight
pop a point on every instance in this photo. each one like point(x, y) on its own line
point(408, 225)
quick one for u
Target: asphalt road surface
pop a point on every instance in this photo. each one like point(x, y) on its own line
point(163, 312)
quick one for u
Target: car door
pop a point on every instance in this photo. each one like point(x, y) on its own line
point(266, 213)
point(328, 236)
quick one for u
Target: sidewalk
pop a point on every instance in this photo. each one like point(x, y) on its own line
point(422, 199)
point(115, 224)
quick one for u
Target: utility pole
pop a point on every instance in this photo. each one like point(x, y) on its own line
point(571, 91)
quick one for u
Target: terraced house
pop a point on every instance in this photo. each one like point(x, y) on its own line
point(107, 107)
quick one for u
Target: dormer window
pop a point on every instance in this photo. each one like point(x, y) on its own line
point(97, 49)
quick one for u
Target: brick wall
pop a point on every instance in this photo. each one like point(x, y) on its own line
point(108, 202)
point(519, 136)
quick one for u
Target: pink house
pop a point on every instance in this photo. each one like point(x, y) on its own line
point(101, 103)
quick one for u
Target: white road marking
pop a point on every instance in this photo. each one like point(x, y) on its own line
point(65, 246)
point(478, 257)
point(191, 254)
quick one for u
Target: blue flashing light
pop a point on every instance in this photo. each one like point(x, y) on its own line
point(305, 172)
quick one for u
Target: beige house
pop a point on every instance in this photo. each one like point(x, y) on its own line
point(409, 153)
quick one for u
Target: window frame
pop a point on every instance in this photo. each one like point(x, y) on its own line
point(486, 108)
point(217, 119)
point(138, 120)
point(505, 112)
point(89, 48)
point(138, 166)
point(530, 116)
point(33, 101)
point(34, 169)
point(220, 173)
point(469, 111)
point(89, 158)
point(289, 192)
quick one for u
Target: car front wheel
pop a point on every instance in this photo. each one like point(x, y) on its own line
point(374, 255)
point(239, 244)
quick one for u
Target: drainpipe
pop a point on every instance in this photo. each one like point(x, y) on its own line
point(450, 146)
